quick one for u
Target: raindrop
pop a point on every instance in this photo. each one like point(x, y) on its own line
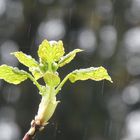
point(53, 29)
point(87, 40)
point(133, 65)
point(11, 93)
point(131, 94)
point(132, 41)
point(14, 10)
point(5, 49)
point(104, 8)
point(108, 36)
point(7, 113)
point(132, 13)
point(116, 107)
point(133, 126)
point(9, 130)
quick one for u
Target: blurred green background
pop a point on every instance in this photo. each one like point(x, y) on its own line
point(109, 32)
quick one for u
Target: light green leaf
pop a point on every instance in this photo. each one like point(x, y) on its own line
point(26, 60)
point(68, 58)
point(12, 75)
point(50, 51)
point(30, 62)
point(51, 79)
point(44, 51)
point(92, 73)
point(57, 50)
point(36, 72)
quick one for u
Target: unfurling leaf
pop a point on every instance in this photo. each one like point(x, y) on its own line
point(30, 62)
point(12, 75)
point(44, 51)
point(51, 51)
point(92, 73)
point(26, 60)
point(50, 110)
point(57, 50)
point(51, 79)
point(68, 58)
point(36, 72)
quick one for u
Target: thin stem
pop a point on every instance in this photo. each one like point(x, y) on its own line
point(35, 82)
point(50, 66)
point(62, 83)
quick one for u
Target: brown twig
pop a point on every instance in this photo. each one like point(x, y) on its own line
point(27, 137)
point(35, 127)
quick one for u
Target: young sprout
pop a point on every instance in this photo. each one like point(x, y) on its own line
point(51, 57)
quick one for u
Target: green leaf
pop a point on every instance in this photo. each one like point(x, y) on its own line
point(44, 51)
point(68, 58)
point(92, 73)
point(12, 75)
point(57, 50)
point(26, 60)
point(36, 72)
point(30, 62)
point(51, 79)
point(50, 51)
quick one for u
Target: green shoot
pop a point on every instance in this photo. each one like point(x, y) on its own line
point(51, 58)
